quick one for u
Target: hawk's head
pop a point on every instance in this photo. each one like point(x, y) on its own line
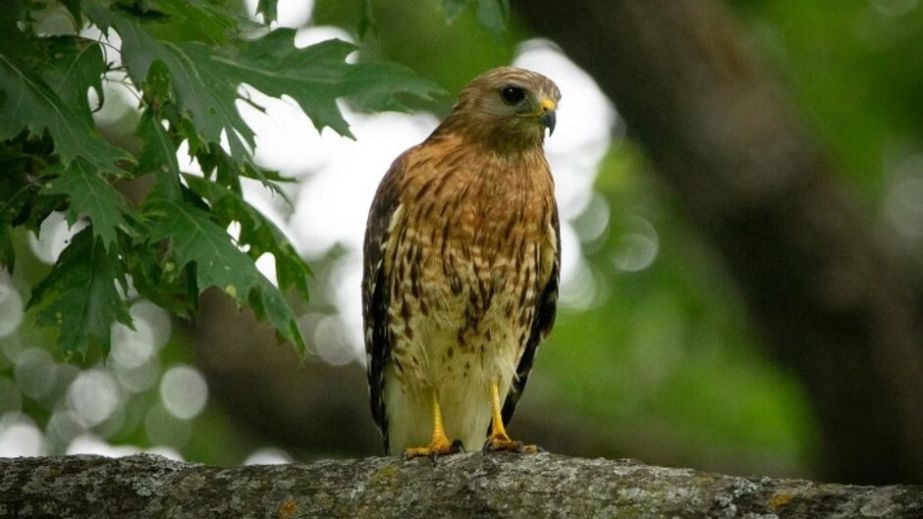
point(508, 106)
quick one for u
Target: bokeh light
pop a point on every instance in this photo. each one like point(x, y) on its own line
point(54, 235)
point(19, 436)
point(330, 341)
point(94, 396)
point(289, 13)
point(35, 372)
point(139, 379)
point(894, 7)
point(183, 391)
point(11, 307)
point(268, 456)
point(903, 202)
point(132, 348)
point(62, 428)
point(637, 248)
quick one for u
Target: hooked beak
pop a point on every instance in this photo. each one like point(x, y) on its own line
point(548, 115)
point(549, 119)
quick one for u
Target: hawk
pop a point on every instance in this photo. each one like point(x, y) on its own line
point(461, 266)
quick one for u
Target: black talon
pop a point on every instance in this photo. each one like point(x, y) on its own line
point(457, 447)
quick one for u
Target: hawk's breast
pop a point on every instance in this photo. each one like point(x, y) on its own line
point(472, 249)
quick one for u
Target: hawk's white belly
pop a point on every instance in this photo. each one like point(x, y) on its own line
point(450, 341)
point(461, 378)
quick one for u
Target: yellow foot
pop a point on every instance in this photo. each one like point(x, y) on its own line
point(504, 443)
point(438, 447)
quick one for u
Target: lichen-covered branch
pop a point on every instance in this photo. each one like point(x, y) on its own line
point(467, 485)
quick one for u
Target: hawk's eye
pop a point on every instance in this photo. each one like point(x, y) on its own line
point(512, 94)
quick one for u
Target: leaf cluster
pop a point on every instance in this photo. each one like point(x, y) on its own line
point(493, 14)
point(187, 60)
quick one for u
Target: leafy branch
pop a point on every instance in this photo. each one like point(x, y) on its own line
point(188, 60)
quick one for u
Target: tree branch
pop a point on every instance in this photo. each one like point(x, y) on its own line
point(468, 485)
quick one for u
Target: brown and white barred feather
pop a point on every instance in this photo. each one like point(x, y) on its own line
point(462, 258)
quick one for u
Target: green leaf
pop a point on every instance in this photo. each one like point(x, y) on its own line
point(494, 14)
point(7, 252)
point(158, 156)
point(73, 7)
point(92, 196)
point(453, 8)
point(366, 20)
point(267, 302)
point(257, 232)
point(268, 8)
point(14, 14)
point(202, 247)
point(196, 85)
point(73, 66)
point(200, 242)
point(197, 239)
point(153, 271)
point(228, 173)
point(23, 166)
point(318, 75)
point(79, 296)
point(27, 102)
point(16, 194)
point(205, 81)
point(216, 23)
point(347, 14)
point(192, 20)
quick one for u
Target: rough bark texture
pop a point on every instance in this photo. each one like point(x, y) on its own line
point(467, 485)
point(835, 303)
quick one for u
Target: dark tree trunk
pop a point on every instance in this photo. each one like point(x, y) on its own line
point(467, 485)
point(834, 302)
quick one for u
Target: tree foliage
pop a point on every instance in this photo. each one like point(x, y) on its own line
point(188, 61)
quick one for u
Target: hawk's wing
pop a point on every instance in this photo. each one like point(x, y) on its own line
point(376, 291)
point(545, 308)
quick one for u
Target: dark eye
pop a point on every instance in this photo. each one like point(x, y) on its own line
point(512, 94)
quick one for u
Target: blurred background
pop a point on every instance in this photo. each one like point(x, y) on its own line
point(661, 350)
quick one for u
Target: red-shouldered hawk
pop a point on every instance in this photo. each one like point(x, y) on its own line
point(460, 284)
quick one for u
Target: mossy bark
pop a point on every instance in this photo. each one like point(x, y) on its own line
point(466, 485)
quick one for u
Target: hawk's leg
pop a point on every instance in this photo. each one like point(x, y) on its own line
point(440, 444)
point(499, 440)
